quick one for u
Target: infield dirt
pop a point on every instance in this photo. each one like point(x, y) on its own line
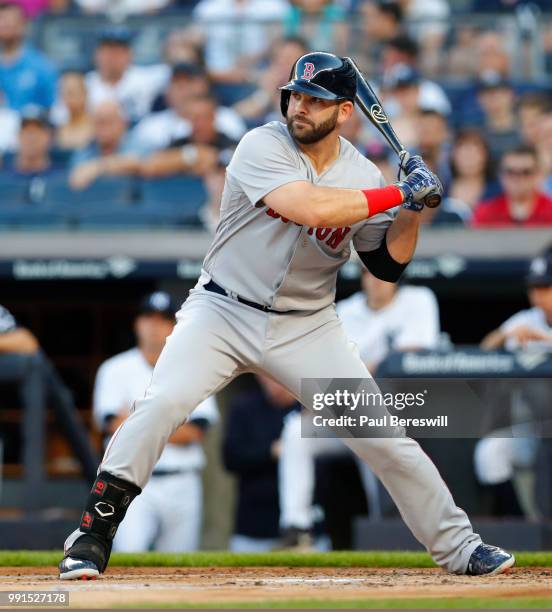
point(144, 586)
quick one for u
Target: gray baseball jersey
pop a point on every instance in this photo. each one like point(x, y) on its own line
point(270, 260)
point(263, 256)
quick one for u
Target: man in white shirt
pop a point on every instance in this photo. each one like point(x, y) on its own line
point(236, 31)
point(378, 320)
point(167, 516)
point(495, 458)
point(158, 130)
point(115, 78)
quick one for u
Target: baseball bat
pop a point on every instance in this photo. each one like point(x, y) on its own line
point(371, 106)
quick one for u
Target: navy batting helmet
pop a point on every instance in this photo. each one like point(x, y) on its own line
point(321, 75)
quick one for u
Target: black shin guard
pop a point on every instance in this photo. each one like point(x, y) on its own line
point(107, 504)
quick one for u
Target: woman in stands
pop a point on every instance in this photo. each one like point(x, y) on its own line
point(473, 177)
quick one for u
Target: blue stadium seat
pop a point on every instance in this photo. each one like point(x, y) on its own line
point(229, 93)
point(30, 216)
point(174, 200)
point(104, 193)
point(13, 191)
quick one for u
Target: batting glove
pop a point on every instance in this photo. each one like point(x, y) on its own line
point(417, 186)
point(408, 163)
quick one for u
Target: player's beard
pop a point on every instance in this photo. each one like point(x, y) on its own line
point(317, 132)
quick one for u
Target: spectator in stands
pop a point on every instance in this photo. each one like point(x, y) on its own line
point(473, 179)
point(320, 22)
point(33, 156)
point(532, 109)
point(544, 150)
point(264, 103)
point(115, 78)
point(182, 47)
point(521, 203)
point(158, 130)
point(109, 154)
point(379, 21)
point(461, 58)
point(33, 8)
point(404, 50)
point(428, 21)
point(251, 451)
point(26, 75)
point(75, 125)
point(382, 20)
point(491, 55)
point(201, 152)
point(500, 126)
point(401, 91)
point(433, 138)
point(376, 320)
point(121, 9)
point(9, 127)
point(237, 33)
point(167, 514)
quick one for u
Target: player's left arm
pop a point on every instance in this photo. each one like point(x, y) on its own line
point(390, 259)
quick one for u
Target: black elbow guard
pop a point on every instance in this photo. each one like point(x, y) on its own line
point(380, 263)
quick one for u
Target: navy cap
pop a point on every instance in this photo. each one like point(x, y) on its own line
point(188, 69)
point(33, 113)
point(118, 35)
point(159, 302)
point(401, 75)
point(491, 79)
point(540, 271)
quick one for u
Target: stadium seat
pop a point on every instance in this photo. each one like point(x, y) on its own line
point(174, 200)
point(229, 93)
point(13, 191)
point(105, 193)
point(29, 215)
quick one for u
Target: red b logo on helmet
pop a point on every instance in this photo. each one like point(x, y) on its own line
point(308, 72)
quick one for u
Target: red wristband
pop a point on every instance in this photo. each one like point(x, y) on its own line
point(382, 199)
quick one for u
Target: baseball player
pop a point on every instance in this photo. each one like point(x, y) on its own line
point(163, 517)
point(297, 198)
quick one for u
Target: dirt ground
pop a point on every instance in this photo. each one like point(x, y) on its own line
point(148, 585)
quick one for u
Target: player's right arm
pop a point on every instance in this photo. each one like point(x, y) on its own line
point(315, 206)
point(268, 172)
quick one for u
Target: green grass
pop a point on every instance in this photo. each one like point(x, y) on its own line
point(472, 603)
point(399, 559)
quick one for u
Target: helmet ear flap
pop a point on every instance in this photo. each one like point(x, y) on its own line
point(284, 101)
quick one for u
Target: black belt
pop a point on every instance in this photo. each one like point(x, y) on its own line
point(212, 286)
point(169, 472)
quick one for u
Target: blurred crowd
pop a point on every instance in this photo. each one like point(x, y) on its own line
point(467, 91)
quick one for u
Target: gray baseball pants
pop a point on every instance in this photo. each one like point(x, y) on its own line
point(216, 339)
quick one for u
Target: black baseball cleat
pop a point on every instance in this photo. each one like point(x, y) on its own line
point(77, 569)
point(85, 557)
point(488, 560)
